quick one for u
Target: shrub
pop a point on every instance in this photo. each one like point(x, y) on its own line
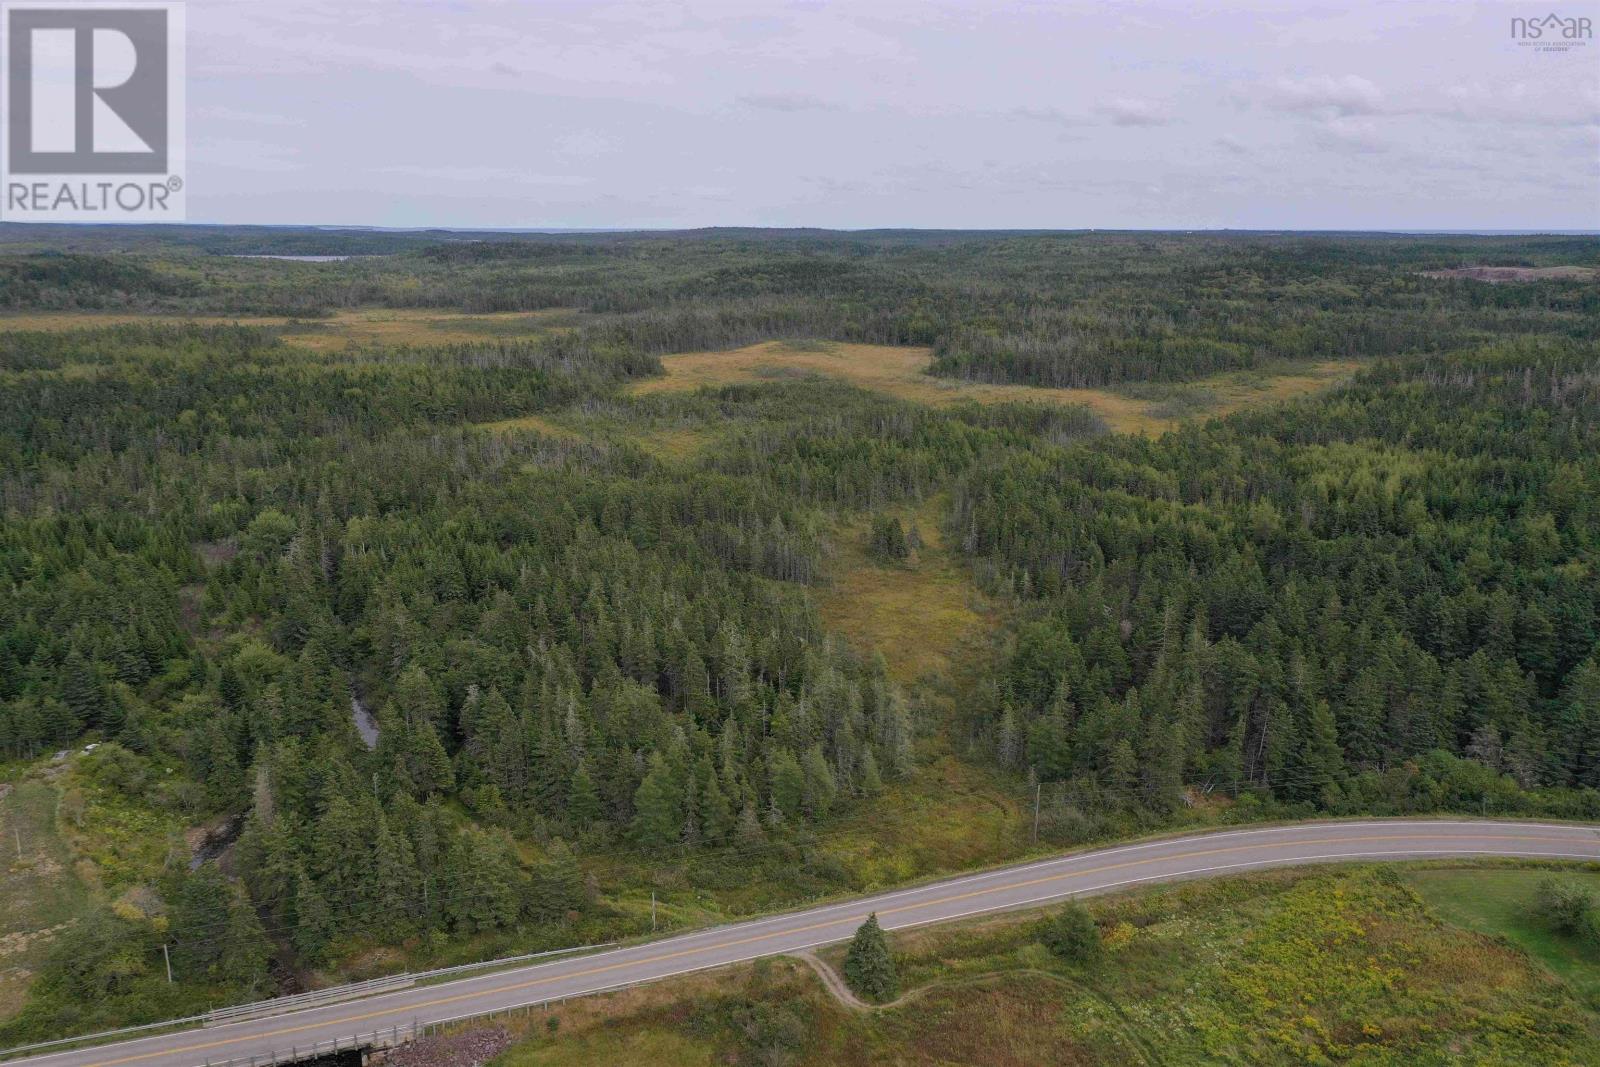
point(1565, 906)
point(772, 1035)
point(1073, 935)
point(888, 543)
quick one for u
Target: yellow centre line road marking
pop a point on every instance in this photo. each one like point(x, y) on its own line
point(412, 1009)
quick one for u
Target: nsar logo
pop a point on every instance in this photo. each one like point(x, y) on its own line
point(1553, 32)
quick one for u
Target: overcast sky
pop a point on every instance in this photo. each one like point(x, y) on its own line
point(1362, 114)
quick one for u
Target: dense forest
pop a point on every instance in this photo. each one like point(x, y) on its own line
point(1324, 601)
point(215, 543)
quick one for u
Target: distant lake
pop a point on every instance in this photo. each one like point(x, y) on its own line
point(297, 259)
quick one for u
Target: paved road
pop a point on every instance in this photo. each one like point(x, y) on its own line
point(1098, 871)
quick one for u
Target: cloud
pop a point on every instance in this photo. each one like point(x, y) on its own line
point(1051, 115)
point(255, 118)
point(1228, 142)
point(1325, 96)
point(246, 155)
point(1516, 105)
point(1123, 111)
point(786, 102)
point(1350, 135)
point(1130, 112)
point(483, 174)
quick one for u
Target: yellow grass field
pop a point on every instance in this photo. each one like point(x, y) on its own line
point(901, 372)
point(537, 423)
point(341, 330)
point(670, 443)
point(919, 614)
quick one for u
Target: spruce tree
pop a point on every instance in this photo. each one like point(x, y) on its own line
point(716, 813)
point(657, 820)
point(583, 800)
point(1321, 762)
point(869, 965)
point(313, 926)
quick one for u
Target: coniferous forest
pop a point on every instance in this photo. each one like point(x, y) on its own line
point(417, 667)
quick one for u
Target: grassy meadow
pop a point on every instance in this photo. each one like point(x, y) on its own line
point(901, 371)
point(1290, 967)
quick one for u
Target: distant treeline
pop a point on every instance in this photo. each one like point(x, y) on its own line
point(1043, 309)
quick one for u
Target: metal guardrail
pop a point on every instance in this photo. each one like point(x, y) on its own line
point(300, 1001)
point(96, 1038)
point(389, 1037)
point(399, 1034)
point(297, 1002)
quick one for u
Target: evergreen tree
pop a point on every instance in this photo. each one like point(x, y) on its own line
point(1321, 765)
point(557, 885)
point(716, 814)
point(657, 820)
point(313, 921)
point(819, 787)
point(869, 967)
point(1072, 934)
point(583, 800)
point(788, 783)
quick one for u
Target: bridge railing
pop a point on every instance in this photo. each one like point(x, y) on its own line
point(283, 1005)
point(398, 1034)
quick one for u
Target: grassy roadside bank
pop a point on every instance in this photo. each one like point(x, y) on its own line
point(1352, 965)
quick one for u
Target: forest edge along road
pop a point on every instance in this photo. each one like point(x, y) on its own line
point(1031, 884)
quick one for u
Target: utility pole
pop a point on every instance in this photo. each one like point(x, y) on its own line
point(168, 957)
point(652, 911)
point(16, 831)
point(1038, 789)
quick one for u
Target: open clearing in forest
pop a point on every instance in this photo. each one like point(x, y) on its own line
point(901, 371)
point(920, 612)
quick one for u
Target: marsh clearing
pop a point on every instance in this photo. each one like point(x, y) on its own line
point(902, 372)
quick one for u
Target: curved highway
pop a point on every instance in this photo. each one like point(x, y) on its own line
point(1097, 871)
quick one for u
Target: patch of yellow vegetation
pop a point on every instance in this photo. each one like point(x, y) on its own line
point(674, 444)
point(902, 372)
point(537, 423)
point(334, 333)
point(948, 815)
point(918, 614)
point(417, 327)
point(61, 321)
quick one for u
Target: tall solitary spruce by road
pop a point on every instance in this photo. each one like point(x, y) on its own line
point(869, 966)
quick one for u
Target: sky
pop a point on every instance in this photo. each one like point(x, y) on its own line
point(1365, 114)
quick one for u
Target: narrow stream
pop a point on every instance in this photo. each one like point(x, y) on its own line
point(215, 843)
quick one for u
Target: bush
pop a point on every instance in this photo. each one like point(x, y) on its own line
point(772, 1035)
point(888, 543)
point(1566, 907)
point(1072, 934)
point(868, 966)
point(1590, 929)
